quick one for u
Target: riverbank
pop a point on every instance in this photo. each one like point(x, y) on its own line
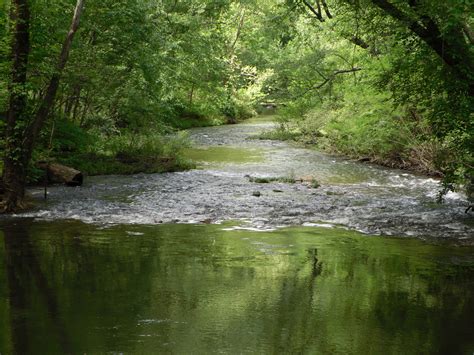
point(127, 152)
point(415, 158)
point(324, 144)
point(133, 154)
point(124, 153)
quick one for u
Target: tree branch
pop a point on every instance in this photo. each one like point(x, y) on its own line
point(468, 32)
point(358, 41)
point(239, 30)
point(318, 4)
point(326, 8)
point(328, 79)
point(334, 74)
point(314, 11)
point(452, 51)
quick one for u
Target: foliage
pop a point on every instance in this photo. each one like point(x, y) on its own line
point(135, 67)
point(361, 78)
point(369, 82)
point(130, 154)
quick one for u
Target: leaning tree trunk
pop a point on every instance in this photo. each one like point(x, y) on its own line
point(451, 48)
point(19, 141)
point(48, 100)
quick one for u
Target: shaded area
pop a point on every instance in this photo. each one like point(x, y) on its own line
point(210, 288)
point(27, 284)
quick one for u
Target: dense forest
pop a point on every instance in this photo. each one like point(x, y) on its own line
point(107, 87)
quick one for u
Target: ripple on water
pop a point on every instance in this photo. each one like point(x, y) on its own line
point(363, 197)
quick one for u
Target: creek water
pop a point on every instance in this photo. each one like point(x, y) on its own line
point(198, 262)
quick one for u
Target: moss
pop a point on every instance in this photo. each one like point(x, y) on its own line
point(314, 183)
point(267, 180)
point(280, 134)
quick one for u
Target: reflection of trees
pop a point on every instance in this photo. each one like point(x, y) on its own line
point(69, 293)
point(331, 299)
point(295, 318)
point(437, 306)
point(83, 288)
point(320, 299)
point(201, 290)
point(25, 278)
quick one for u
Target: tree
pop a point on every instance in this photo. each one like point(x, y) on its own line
point(428, 64)
point(447, 36)
point(24, 125)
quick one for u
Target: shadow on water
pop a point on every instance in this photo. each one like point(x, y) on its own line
point(57, 290)
point(67, 287)
point(26, 278)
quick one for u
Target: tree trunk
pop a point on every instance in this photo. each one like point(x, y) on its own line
point(19, 142)
point(191, 94)
point(449, 47)
point(14, 181)
point(14, 169)
point(76, 102)
point(85, 109)
point(69, 102)
point(48, 100)
point(61, 174)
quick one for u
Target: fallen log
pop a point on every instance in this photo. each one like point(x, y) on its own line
point(61, 174)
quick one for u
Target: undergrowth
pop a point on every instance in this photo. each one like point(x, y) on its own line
point(365, 125)
point(125, 152)
point(131, 154)
point(267, 180)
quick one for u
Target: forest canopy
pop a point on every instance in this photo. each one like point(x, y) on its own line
point(387, 80)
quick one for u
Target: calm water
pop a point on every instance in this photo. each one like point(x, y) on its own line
point(68, 287)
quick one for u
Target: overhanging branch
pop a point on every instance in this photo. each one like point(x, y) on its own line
point(326, 9)
point(333, 75)
point(328, 79)
point(452, 48)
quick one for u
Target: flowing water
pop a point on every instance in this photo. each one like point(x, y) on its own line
point(199, 262)
point(363, 197)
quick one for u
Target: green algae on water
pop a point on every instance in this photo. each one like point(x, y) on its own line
point(224, 155)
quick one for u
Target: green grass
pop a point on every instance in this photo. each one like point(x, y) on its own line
point(280, 134)
point(314, 183)
point(364, 124)
point(267, 180)
point(131, 154)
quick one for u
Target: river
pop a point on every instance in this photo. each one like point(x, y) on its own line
point(207, 261)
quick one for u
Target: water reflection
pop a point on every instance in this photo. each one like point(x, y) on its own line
point(73, 288)
point(25, 279)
